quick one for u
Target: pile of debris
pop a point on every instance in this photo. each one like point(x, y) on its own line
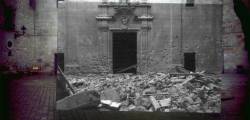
point(176, 92)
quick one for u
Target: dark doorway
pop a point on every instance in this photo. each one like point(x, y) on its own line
point(189, 61)
point(124, 52)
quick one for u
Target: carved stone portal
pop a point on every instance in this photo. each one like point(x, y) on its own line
point(130, 17)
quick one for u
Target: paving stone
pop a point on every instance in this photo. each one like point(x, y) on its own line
point(31, 95)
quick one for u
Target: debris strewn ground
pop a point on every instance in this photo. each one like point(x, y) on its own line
point(179, 91)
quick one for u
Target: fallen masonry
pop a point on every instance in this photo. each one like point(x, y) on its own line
point(180, 91)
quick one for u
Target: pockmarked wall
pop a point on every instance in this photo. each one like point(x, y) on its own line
point(39, 43)
point(174, 30)
point(233, 38)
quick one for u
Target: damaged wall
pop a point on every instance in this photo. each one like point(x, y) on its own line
point(190, 29)
point(38, 45)
point(233, 38)
point(77, 37)
point(176, 29)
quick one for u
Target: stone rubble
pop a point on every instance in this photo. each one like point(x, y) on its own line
point(181, 92)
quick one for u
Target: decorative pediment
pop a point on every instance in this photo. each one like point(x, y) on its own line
point(125, 13)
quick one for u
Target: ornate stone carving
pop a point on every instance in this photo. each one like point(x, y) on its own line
point(125, 17)
point(124, 20)
point(123, 12)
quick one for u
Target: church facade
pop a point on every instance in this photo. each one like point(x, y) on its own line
point(140, 37)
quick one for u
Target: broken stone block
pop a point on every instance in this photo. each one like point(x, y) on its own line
point(173, 91)
point(150, 90)
point(143, 102)
point(110, 94)
point(192, 108)
point(155, 103)
point(177, 80)
point(84, 99)
point(165, 102)
point(188, 99)
point(107, 102)
point(115, 104)
point(131, 107)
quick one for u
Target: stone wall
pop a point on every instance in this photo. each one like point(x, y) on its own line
point(190, 29)
point(38, 45)
point(233, 38)
point(175, 30)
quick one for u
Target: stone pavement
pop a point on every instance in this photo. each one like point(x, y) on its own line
point(33, 98)
point(237, 86)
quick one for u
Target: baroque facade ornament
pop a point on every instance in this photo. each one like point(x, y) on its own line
point(125, 12)
point(124, 20)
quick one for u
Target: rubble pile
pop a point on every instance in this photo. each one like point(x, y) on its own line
point(178, 92)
